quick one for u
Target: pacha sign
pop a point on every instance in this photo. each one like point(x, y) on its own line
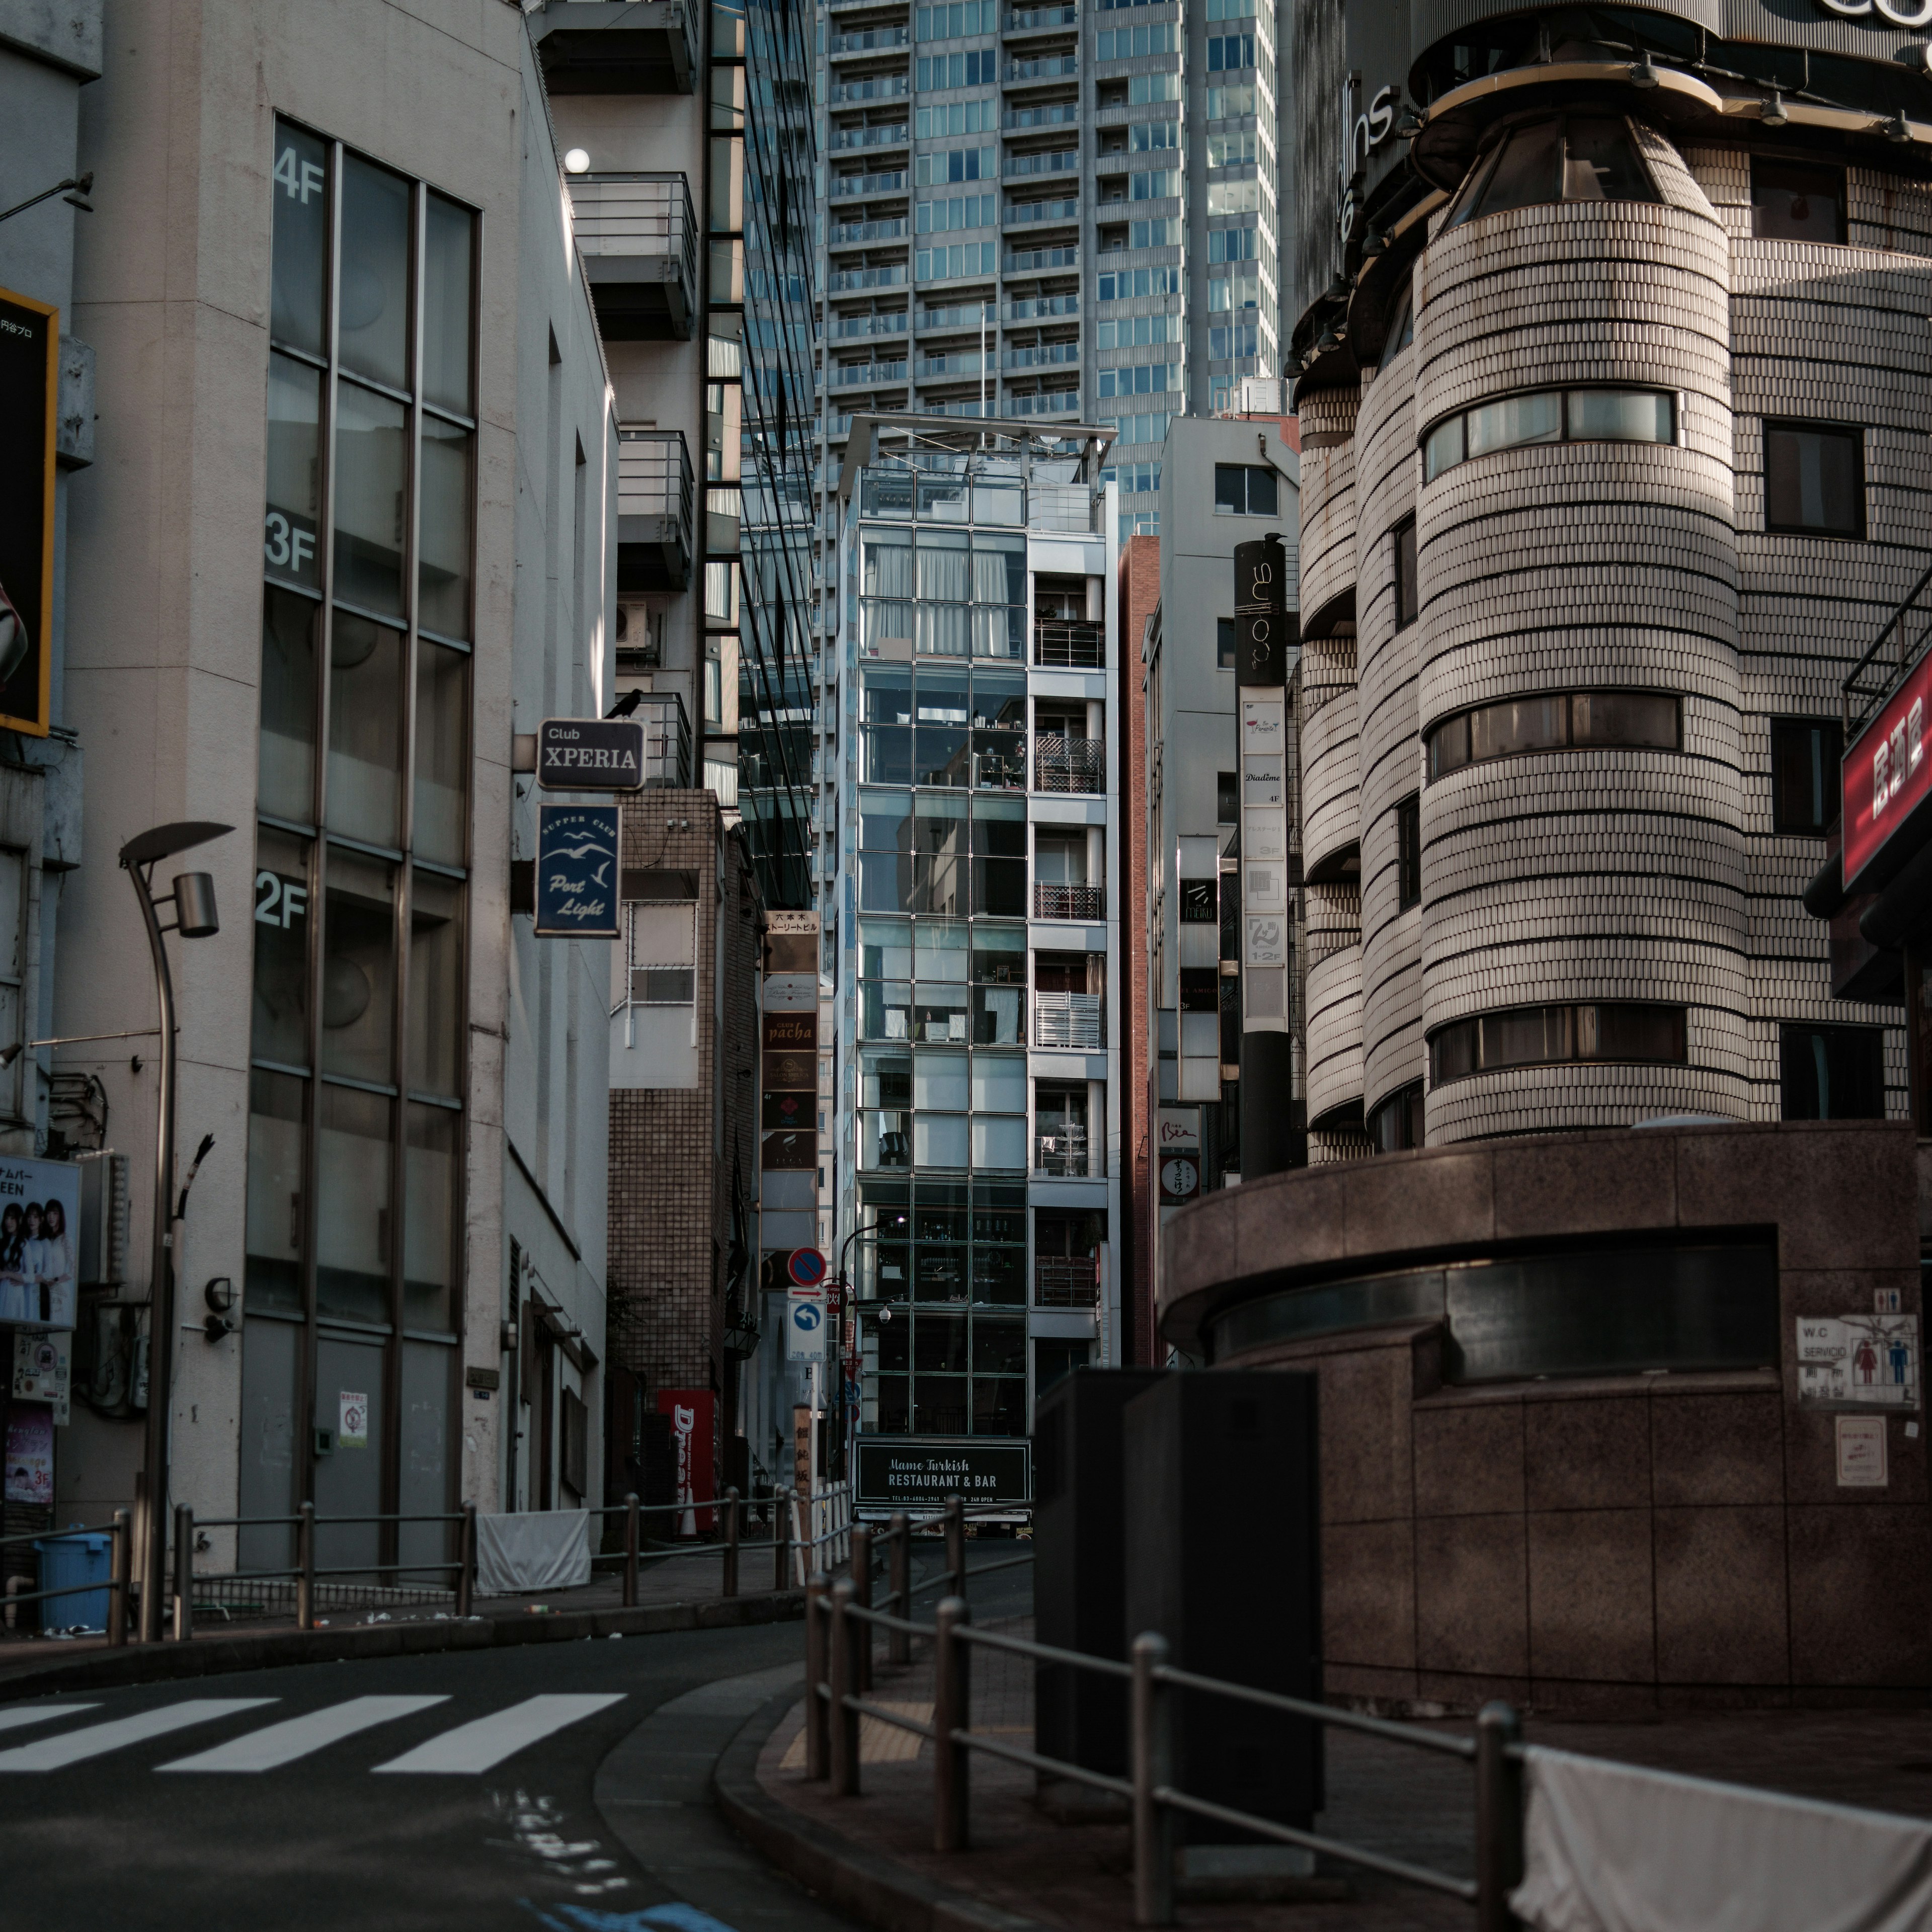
point(590, 754)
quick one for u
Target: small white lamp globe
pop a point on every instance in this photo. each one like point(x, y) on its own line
point(576, 162)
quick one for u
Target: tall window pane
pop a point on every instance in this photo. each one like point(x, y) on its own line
point(273, 1280)
point(301, 276)
point(436, 985)
point(358, 971)
point(446, 282)
point(371, 447)
point(442, 753)
point(286, 746)
point(294, 516)
point(442, 570)
point(280, 1028)
point(431, 1215)
point(365, 729)
point(375, 298)
point(352, 1263)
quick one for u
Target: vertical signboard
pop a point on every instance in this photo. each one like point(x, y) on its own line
point(577, 872)
point(788, 1096)
point(1266, 637)
point(692, 1413)
point(29, 385)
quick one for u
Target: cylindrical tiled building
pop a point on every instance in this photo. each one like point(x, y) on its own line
point(1614, 352)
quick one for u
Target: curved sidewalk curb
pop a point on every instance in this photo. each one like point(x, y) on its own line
point(873, 1887)
point(204, 1657)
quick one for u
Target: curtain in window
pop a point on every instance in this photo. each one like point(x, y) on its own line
point(989, 576)
point(888, 570)
point(942, 629)
point(943, 575)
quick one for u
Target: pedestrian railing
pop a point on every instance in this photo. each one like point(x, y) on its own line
point(118, 1585)
point(841, 1618)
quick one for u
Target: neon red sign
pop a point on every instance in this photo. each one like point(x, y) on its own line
point(1887, 771)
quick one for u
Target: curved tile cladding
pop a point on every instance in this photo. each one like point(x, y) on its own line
point(1334, 1031)
point(1327, 498)
point(1389, 753)
point(1329, 778)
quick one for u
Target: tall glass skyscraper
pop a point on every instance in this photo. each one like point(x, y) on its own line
point(1069, 211)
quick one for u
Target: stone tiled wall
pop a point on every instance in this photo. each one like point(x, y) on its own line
point(1605, 873)
point(1617, 1544)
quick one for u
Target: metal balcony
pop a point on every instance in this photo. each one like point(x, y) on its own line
point(1066, 1281)
point(1024, 213)
point(873, 40)
point(1066, 646)
point(654, 510)
point(839, 139)
point(667, 740)
point(1072, 1020)
point(618, 46)
point(1060, 763)
point(1087, 902)
point(1064, 1155)
point(638, 237)
point(892, 180)
point(1038, 20)
point(1049, 68)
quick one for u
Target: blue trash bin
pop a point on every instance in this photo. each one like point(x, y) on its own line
point(68, 1560)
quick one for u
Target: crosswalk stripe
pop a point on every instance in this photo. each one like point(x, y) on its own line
point(96, 1740)
point(296, 1737)
point(488, 1740)
point(21, 1715)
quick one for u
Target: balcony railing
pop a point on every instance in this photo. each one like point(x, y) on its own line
point(648, 48)
point(1063, 1154)
point(1048, 402)
point(1031, 306)
point(667, 740)
point(1050, 114)
point(874, 87)
point(1062, 645)
point(894, 136)
point(892, 180)
point(1049, 68)
point(1021, 214)
point(1068, 1020)
point(932, 366)
point(873, 38)
point(844, 235)
point(1060, 763)
point(654, 499)
point(1032, 19)
point(1069, 901)
point(638, 236)
point(868, 324)
point(1043, 258)
point(868, 373)
point(1041, 356)
point(891, 276)
point(1060, 161)
point(1066, 1281)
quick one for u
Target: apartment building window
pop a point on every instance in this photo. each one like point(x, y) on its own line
point(1804, 785)
point(1797, 201)
point(661, 949)
point(356, 1130)
point(1227, 798)
point(1553, 720)
point(1225, 644)
point(1832, 1072)
point(1408, 852)
point(1244, 490)
point(1547, 1036)
point(1567, 157)
point(1402, 564)
point(1062, 1129)
point(1814, 482)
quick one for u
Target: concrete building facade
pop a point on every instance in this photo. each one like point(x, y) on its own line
point(332, 287)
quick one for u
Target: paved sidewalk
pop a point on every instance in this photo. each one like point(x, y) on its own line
point(1414, 1805)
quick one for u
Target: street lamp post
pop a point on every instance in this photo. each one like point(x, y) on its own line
point(193, 899)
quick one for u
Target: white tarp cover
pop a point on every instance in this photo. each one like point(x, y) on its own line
point(533, 1550)
point(1615, 1848)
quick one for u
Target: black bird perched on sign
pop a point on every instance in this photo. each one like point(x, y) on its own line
point(626, 705)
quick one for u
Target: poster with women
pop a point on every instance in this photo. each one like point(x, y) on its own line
point(40, 1223)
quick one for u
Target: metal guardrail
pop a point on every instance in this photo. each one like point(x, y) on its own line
point(841, 1616)
point(1064, 764)
point(1070, 646)
point(1051, 901)
point(635, 215)
point(1897, 648)
point(654, 478)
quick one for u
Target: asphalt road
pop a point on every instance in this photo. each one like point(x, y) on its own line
point(564, 1787)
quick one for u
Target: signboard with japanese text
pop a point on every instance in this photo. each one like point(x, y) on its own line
point(40, 1370)
point(39, 1223)
point(1887, 774)
point(30, 1453)
point(577, 872)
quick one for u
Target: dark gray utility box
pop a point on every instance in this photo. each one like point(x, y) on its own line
point(1223, 1545)
point(1079, 1568)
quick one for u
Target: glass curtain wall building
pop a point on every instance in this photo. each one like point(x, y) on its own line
point(758, 453)
point(972, 917)
point(356, 1138)
point(1058, 211)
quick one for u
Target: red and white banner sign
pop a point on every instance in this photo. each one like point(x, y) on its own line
point(1887, 771)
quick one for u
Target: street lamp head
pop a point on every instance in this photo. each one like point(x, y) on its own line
point(8, 1055)
point(164, 841)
